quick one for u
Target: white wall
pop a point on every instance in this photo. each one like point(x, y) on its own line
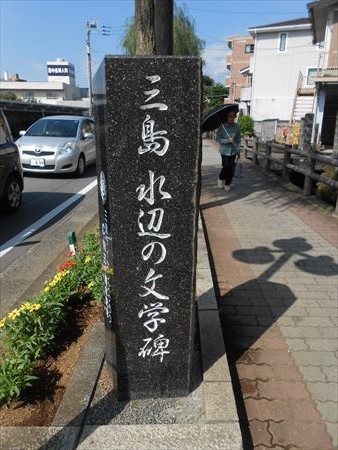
point(38, 90)
point(275, 74)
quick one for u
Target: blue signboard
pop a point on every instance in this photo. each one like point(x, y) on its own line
point(62, 71)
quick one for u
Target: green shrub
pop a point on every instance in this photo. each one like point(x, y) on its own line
point(28, 332)
point(246, 125)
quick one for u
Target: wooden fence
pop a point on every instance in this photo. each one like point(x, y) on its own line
point(262, 151)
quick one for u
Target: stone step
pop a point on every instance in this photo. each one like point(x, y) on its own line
point(150, 437)
point(43, 438)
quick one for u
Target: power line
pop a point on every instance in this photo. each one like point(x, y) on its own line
point(260, 13)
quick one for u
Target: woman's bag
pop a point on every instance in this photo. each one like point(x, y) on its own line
point(238, 171)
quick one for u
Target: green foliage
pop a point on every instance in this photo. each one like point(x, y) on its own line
point(325, 192)
point(8, 96)
point(28, 332)
point(213, 93)
point(129, 39)
point(87, 272)
point(186, 41)
point(208, 81)
point(246, 125)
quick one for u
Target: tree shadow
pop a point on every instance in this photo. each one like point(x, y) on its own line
point(283, 250)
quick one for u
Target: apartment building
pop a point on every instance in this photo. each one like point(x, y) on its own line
point(238, 61)
point(283, 69)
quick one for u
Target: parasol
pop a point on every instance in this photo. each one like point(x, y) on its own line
point(217, 116)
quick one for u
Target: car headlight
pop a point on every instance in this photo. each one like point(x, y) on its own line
point(68, 147)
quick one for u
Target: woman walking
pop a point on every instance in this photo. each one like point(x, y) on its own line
point(229, 137)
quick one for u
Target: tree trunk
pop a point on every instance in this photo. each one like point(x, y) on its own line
point(144, 27)
point(164, 12)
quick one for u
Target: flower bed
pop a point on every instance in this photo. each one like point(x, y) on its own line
point(28, 333)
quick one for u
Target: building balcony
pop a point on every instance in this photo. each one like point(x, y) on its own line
point(245, 94)
point(327, 68)
point(328, 75)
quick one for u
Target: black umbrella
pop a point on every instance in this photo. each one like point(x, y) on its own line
point(217, 116)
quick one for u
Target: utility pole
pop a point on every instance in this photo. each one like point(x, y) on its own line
point(164, 13)
point(144, 27)
point(90, 25)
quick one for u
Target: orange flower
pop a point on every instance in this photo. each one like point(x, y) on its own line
point(66, 266)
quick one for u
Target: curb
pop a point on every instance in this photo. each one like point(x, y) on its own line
point(78, 395)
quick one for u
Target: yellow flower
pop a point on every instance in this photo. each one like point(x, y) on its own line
point(30, 307)
point(15, 313)
point(35, 306)
point(2, 323)
point(88, 259)
point(90, 285)
point(56, 279)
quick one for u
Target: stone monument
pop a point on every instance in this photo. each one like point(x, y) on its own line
point(147, 112)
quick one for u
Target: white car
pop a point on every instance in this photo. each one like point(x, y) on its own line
point(58, 144)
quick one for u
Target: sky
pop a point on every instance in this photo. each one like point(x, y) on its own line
point(36, 31)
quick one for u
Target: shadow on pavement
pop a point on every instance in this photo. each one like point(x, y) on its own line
point(251, 308)
point(55, 442)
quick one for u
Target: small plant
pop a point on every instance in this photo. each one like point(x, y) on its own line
point(28, 332)
point(246, 125)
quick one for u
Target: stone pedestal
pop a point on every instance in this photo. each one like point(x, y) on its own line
point(147, 112)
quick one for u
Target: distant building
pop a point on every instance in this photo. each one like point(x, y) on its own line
point(283, 70)
point(60, 89)
point(324, 21)
point(238, 61)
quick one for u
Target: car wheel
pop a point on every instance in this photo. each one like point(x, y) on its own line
point(81, 165)
point(12, 194)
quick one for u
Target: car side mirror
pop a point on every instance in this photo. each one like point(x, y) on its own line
point(88, 135)
point(22, 132)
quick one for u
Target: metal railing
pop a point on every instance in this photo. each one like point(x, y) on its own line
point(328, 64)
point(262, 151)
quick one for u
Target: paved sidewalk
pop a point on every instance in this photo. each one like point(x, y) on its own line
point(275, 273)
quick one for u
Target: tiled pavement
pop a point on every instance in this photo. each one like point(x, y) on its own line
point(275, 272)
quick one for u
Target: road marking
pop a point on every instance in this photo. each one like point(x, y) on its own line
point(14, 241)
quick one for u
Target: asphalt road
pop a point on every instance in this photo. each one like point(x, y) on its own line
point(42, 193)
point(29, 240)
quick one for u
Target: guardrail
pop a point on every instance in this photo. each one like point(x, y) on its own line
point(263, 151)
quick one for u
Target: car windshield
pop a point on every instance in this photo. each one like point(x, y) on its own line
point(54, 128)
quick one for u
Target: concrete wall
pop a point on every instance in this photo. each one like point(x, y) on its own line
point(333, 56)
point(41, 91)
point(276, 73)
point(265, 130)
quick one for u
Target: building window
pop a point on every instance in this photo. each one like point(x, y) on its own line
point(52, 94)
point(28, 95)
point(249, 48)
point(311, 75)
point(282, 42)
